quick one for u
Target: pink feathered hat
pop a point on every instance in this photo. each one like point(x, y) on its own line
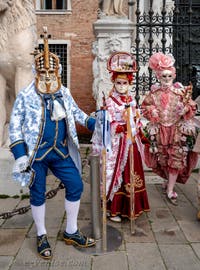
point(159, 62)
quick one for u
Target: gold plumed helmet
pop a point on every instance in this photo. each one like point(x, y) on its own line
point(47, 64)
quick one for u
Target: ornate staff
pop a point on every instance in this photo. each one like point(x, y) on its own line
point(131, 140)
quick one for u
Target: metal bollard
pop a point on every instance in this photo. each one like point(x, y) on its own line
point(95, 195)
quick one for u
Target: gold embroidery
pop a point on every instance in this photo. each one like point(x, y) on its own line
point(138, 183)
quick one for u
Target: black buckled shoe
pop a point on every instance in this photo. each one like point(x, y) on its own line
point(78, 239)
point(43, 247)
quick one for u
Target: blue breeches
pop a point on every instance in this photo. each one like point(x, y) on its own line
point(63, 169)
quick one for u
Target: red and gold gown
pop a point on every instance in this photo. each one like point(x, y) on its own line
point(118, 161)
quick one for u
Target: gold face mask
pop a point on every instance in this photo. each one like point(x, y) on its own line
point(48, 79)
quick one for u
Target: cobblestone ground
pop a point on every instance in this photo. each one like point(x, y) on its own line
point(168, 237)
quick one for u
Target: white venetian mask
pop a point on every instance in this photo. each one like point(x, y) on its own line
point(121, 85)
point(166, 78)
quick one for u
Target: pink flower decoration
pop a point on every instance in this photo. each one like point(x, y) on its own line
point(160, 61)
point(178, 85)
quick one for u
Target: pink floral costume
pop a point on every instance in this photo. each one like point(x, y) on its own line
point(169, 131)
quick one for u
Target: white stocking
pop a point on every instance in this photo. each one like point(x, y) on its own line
point(171, 182)
point(38, 213)
point(72, 209)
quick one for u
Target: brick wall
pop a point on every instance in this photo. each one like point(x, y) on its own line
point(77, 28)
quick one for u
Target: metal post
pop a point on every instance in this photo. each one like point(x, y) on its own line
point(95, 195)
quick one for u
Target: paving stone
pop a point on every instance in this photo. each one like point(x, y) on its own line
point(68, 257)
point(117, 261)
point(184, 212)
point(85, 211)
point(19, 221)
point(165, 238)
point(154, 196)
point(117, 225)
point(144, 256)
point(55, 209)
point(27, 258)
point(191, 230)
point(142, 233)
point(5, 262)
point(53, 228)
point(194, 176)
point(165, 228)
point(160, 217)
point(190, 192)
point(115, 241)
point(8, 205)
point(196, 247)
point(11, 241)
point(153, 179)
point(179, 257)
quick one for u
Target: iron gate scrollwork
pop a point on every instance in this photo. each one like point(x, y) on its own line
point(170, 27)
point(186, 45)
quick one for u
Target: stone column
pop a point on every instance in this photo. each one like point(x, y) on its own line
point(113, 33)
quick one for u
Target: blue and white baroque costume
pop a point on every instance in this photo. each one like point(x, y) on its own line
point(28, 120)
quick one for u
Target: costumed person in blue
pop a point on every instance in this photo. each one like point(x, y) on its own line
point(43, 136)
point(123, 156)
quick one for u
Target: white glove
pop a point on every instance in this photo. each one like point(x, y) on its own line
point(20, 164)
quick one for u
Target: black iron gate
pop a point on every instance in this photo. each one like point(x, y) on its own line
point(168, 27)
point(186, 45)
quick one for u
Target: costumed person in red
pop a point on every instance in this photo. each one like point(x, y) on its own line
point(122, 65)
point(171, 129)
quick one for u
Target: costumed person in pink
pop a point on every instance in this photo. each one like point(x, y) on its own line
point(171, 129)
point(122, 65)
